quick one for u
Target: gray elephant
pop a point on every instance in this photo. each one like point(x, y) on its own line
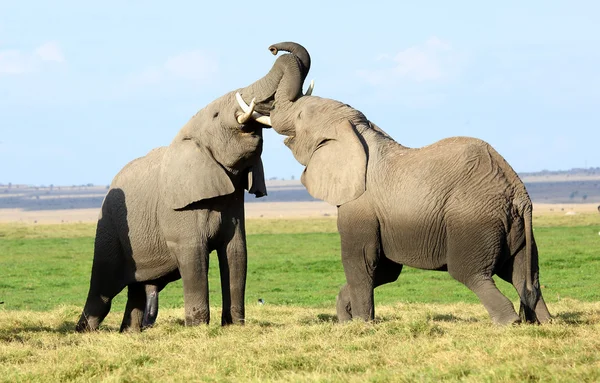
point(455, 205)
point(165, 212)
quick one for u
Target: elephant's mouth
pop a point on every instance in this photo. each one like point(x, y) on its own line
point(251, 127)
point(289, 141)
point(249, 113)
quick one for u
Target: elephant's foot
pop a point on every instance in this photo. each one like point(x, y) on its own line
point(541, 311)
point(197, 316)
point(507, 319)
point(132, 322)
point(343, 305)
point(87, 324)
point(234, 314)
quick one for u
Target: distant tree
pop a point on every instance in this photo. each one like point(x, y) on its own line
point(51, 186)
point(292, 177)
point(584, 197)
point(10, 185)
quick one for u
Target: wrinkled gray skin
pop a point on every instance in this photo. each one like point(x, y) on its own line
point(165, 212)
point(455, 205)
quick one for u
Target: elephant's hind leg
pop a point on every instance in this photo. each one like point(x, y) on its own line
point(472, 255)
point(514, 271)
point(105, 283)
point(134, 310)
point(499, 307)
point(96, 308)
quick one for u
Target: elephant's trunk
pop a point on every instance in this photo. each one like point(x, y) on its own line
point(297, 50)
point(285, 79)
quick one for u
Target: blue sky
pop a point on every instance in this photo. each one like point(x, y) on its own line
point(87, 87)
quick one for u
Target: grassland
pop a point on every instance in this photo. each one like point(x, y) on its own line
point(428, 328)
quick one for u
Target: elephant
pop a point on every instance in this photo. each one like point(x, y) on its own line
point(165, 212)
point(455, 205)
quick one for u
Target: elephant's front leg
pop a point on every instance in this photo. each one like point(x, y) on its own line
point(233, 268)
point(360, 256)
point(193, 267)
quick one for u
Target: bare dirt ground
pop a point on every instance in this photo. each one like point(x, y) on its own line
point(286, 199)
point(253, 210)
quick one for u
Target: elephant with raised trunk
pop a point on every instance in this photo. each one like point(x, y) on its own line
point(165, 212)
point(455, 205)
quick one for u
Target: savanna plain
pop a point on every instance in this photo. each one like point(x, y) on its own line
point(428, 327)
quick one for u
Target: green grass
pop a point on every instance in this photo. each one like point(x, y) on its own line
point(47, 266)
point(428, 328)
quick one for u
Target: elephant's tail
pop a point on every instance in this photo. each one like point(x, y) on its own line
point(529, 294)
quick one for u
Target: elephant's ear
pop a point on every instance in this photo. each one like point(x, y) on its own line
point(256, 179)
point(337, 169)
point(190, 173)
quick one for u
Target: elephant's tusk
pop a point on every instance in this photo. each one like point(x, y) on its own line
point(247, 112)
point(310, 88)
point(265, 120)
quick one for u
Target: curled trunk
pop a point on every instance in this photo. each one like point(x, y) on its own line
point(285, 78)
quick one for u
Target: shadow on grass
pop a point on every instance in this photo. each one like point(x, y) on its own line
point(320, 318)
point(572, 318)
point(20, 331)
point(452, 318)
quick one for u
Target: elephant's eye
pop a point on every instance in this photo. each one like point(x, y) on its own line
point(216, 115)
point(300, 115)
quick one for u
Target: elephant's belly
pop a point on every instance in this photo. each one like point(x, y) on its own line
point(422, 249)
point(151, 260)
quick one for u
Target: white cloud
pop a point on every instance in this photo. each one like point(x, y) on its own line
point(434, 60)
point(50, 52)
point(14, 62)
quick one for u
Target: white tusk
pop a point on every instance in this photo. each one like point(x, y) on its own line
point(265, 120)
point(241, 102)
point(247, 112)
point(310, 88)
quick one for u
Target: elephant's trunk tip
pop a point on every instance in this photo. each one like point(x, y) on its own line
point(273, 50)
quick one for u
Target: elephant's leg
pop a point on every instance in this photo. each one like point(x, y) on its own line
point(499, 307)
point(134, 309)
point(106, 282)
point(193, 267)
point(359, 234)
point(514, 271)
point(192, 262)
point(343, 306)
point(387, 271)
point(472, 254)
point(233, 269)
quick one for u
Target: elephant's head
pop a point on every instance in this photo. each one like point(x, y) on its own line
point(325, 136)
point(218, 150)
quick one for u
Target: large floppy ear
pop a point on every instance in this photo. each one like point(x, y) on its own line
point(189, 173)
point(337, 169)
point(256, 179)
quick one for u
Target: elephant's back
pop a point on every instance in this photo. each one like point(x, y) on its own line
point(139, 169)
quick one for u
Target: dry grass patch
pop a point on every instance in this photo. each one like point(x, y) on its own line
point(408, 342)
point(253, 226)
